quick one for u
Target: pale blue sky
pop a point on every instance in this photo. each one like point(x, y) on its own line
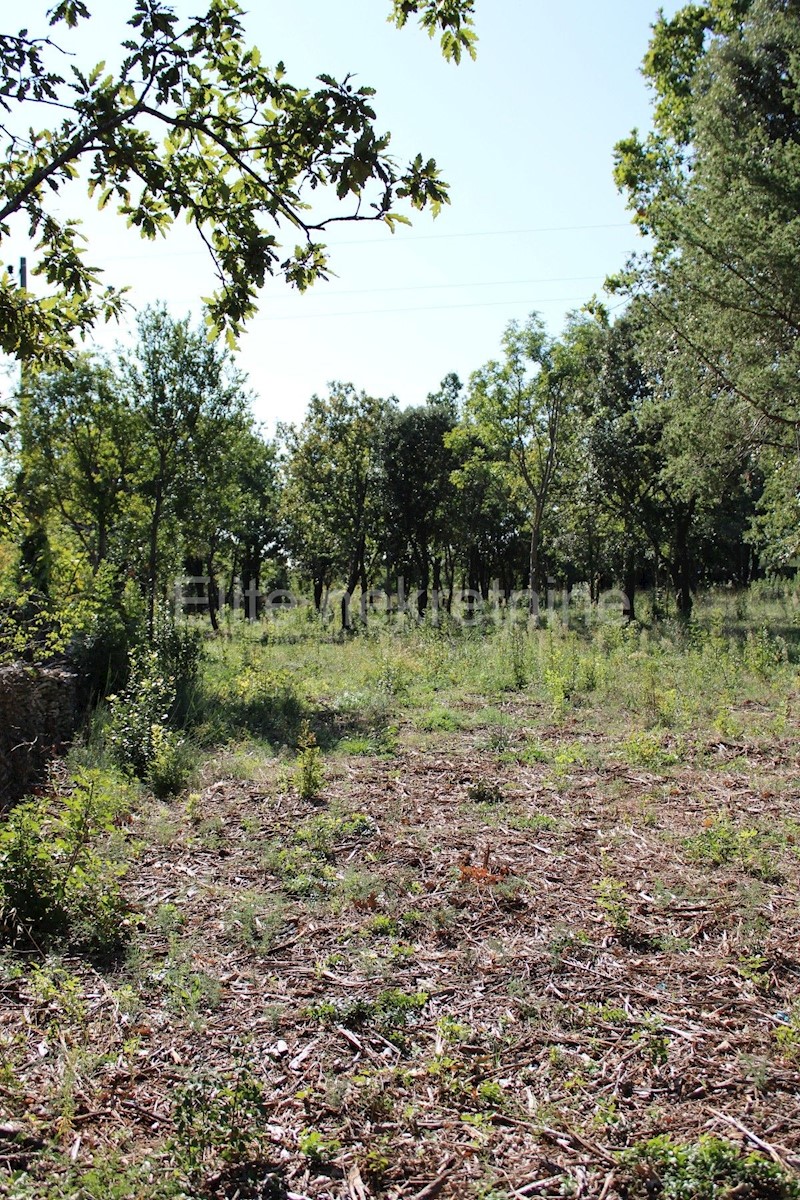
point(524, 136)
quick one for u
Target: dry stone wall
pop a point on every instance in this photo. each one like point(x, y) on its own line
point(38, 715)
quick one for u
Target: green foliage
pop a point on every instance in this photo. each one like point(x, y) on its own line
point(140, 712)
point(107, 626)
point(390, 1012)
point(645, 749)
point(332, 486)
point(170, 764)
point(309, 772)
point(303, 866)
point(55, 882)
point(318, 1150)
point(256, 921)
point(484, 792)
point(438, 719)
point(722, 843)
point(704, 1170)
point(192, 124)
point(614, 902)
point(219, 1119)
point(139, 735)
point(713, 183)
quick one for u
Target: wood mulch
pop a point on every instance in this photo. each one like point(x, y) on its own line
point(456, 994)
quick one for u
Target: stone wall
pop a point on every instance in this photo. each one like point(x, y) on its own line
point(38, 715)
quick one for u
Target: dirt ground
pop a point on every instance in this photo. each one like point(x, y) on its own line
point(482, 965)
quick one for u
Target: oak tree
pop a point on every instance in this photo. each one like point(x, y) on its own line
point(192, 124)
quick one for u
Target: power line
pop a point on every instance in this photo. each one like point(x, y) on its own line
point(397, 241)
point(376, 312)
point(426, 287)
point(427, 237)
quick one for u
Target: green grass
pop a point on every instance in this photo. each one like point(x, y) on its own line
point(262, 683)
point(327, 897)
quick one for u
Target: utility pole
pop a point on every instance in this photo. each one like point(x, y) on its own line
point(22, 285)
point(23, 273)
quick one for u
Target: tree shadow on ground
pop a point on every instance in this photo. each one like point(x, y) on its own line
point(277, 718)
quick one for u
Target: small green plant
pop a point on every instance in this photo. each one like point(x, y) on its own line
point(517, 653)
point(451, 1032)
point(142, 709)
point(301, 872)
point(304, 867)
point(644, 749)
point(787, 1034)
point(391, 1010)
point(763, 653)
point(557, 684)
point(318, 1149)
point(538, 822)
point(170, 763)
point(755, 969)
point(484, 792)
point(255, 921)
point(375, 1163)
point(218, 1119)
point(566, 941)
point(54, 881)
point(321, 834)
point(565, 757)
point(704, 1170)
point(491, 1095)
point(60, 993)
point(534, 752)
point(189, 991)
point(380, 925)
point(614, 901)
point(652, 1042)
point(309, 772)
point(440, 720)
point(721, 843)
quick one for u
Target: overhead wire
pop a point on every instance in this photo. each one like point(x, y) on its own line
point(376, 312)
point(408, 237)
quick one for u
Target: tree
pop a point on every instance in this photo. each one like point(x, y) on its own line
point(717, 184)
point(79, 446)
point(416, 495)
point(192, 124)
point(518, 406)
point(331, 492)
point(182, 386)
point(209, 490)
point(256, 526)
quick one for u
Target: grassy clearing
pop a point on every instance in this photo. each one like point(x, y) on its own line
point(514, 912)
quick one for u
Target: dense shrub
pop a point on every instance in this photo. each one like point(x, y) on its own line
point(55, 882)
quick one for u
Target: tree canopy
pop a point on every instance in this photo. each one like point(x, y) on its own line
point(194, 124)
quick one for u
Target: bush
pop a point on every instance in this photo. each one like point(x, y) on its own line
point(106, 626)
point(54, 883)
point(170, 765)
point(219, 1119)
point(309, 772)
point(178, 647)
point(138, 713)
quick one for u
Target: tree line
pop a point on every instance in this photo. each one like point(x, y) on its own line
point(656, 445)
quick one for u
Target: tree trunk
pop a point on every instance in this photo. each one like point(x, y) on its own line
point(681, 572)
point(152, 558)
point(533, 572)
point(319, 587)
point(422, 594)
point(356, 572)
point(629, 587)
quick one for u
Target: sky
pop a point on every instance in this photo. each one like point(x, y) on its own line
point(524, 136)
